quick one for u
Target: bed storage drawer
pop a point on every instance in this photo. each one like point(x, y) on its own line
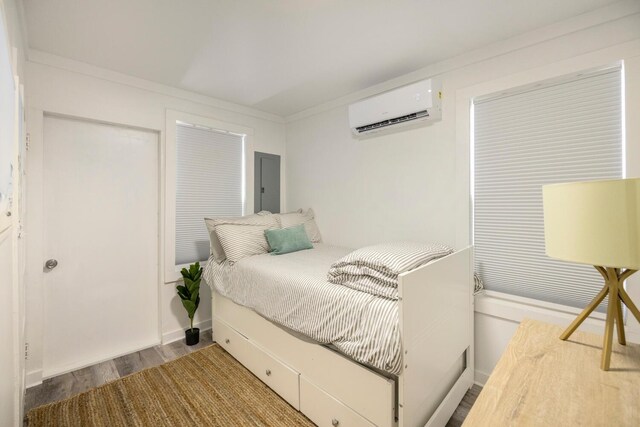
point(325, 410)
point(376, 395)
point(233, 342)
point(278, 376)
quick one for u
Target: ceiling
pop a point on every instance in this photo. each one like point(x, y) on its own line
point(279, 56)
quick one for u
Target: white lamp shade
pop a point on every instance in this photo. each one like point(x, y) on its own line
point(595, 222)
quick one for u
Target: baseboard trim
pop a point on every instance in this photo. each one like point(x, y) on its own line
point(115, 355)
point(177, 334)
point(480, 378)
point(33, 378)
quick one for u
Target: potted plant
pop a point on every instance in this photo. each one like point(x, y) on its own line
point(189, 293)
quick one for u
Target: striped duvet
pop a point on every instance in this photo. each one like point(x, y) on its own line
point(375, 269)
point(292, 290)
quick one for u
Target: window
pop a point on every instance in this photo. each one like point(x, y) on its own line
point(561, 131)
point(209, 183)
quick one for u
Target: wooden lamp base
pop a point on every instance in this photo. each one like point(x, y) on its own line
point(614, 279)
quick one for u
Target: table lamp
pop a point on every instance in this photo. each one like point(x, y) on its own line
point(597, 223)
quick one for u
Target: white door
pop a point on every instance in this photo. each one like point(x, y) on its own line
point(101, 227)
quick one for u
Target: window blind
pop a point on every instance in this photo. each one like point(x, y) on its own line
point(209, 183)
point(560, 132)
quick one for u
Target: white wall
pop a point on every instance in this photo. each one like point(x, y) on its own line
point(366, 191)
point(66, 87)
point(11, 278)
point(415, 184)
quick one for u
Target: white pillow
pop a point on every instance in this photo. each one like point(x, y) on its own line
point(243, 240)
point(215, 247)
point(290, 219)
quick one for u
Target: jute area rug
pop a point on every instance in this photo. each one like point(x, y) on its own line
point(204, 388)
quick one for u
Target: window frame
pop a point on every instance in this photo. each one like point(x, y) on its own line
point(464, 94)
point(524, 90)
point(172, 271)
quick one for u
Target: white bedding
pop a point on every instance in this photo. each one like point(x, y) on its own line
point(292, 290)
point(375, 269)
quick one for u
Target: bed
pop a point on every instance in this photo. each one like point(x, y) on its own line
point(373, 361)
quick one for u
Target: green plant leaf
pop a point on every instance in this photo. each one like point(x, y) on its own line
point(194, 288)
point(182, 290)
point(195, 296)
point(193, 269)
point(190, 307)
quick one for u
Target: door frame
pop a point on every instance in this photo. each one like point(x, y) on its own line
point(35, 232)
point(256, 176)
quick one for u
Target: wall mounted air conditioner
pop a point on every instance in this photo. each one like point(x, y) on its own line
point(417, 103)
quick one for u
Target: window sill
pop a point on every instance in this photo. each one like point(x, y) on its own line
point(514, 309)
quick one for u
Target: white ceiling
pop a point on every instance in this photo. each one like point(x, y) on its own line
point(279, 56)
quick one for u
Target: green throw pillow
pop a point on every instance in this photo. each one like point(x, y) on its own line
point(288, 240)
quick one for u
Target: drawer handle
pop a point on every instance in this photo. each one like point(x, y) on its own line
point(227, 341)
point(268, 372)
point(335, 422)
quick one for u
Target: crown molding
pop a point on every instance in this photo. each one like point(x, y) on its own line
point(55, 61)
point(613, 12)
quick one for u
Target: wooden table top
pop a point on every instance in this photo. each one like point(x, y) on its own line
point(541, 380)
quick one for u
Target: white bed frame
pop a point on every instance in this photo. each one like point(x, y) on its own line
point(436, 324)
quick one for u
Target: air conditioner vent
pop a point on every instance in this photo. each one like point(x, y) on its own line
point(390, 122)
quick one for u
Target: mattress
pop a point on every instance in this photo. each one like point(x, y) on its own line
point(292, 290)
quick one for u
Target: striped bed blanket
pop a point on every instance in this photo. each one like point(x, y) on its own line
point(375, 269)
point(292, 291)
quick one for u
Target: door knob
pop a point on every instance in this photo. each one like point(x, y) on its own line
point(50, 264)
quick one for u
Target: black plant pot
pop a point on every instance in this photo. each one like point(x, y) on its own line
point(192, 336)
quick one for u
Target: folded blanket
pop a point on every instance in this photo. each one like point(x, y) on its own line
point(375, 269)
